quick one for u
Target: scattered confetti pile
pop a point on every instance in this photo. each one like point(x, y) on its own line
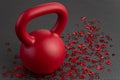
point(88, 53)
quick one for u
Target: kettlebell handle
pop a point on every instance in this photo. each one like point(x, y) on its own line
point(37, 11)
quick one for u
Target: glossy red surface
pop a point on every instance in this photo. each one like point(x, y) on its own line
point(42, 51)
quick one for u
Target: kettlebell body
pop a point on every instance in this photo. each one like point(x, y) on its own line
point(47, 53)
point(42, 51)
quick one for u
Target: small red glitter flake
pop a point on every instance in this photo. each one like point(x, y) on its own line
point(99, 67)
point(88, 40)
point(103, 45)
point(73, 60)
point(108, 38)
point(102, 57)
point(93, 61)
point(81, 33)
point(85, 69)
point(82, 64)
point(74, 33)
point(20, 66)
point(102, 41)
point(113, 54)
point(19, 75)
point(108, 63)
point(81, 45)
point(91, 73)
point(74, 51)
point(70, 73)
point(16, 69)
point(79, 52)
point(74, 41)
point(90, 34)
point(106, 53)
point(93, 28)
point(82, 76)
point(87, 57)
point(97, 48)
point(83, 18)
point(87, 26)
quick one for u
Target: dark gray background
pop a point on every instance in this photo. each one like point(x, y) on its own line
point(107, 11)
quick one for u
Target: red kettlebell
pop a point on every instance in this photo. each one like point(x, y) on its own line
point(42, 51)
